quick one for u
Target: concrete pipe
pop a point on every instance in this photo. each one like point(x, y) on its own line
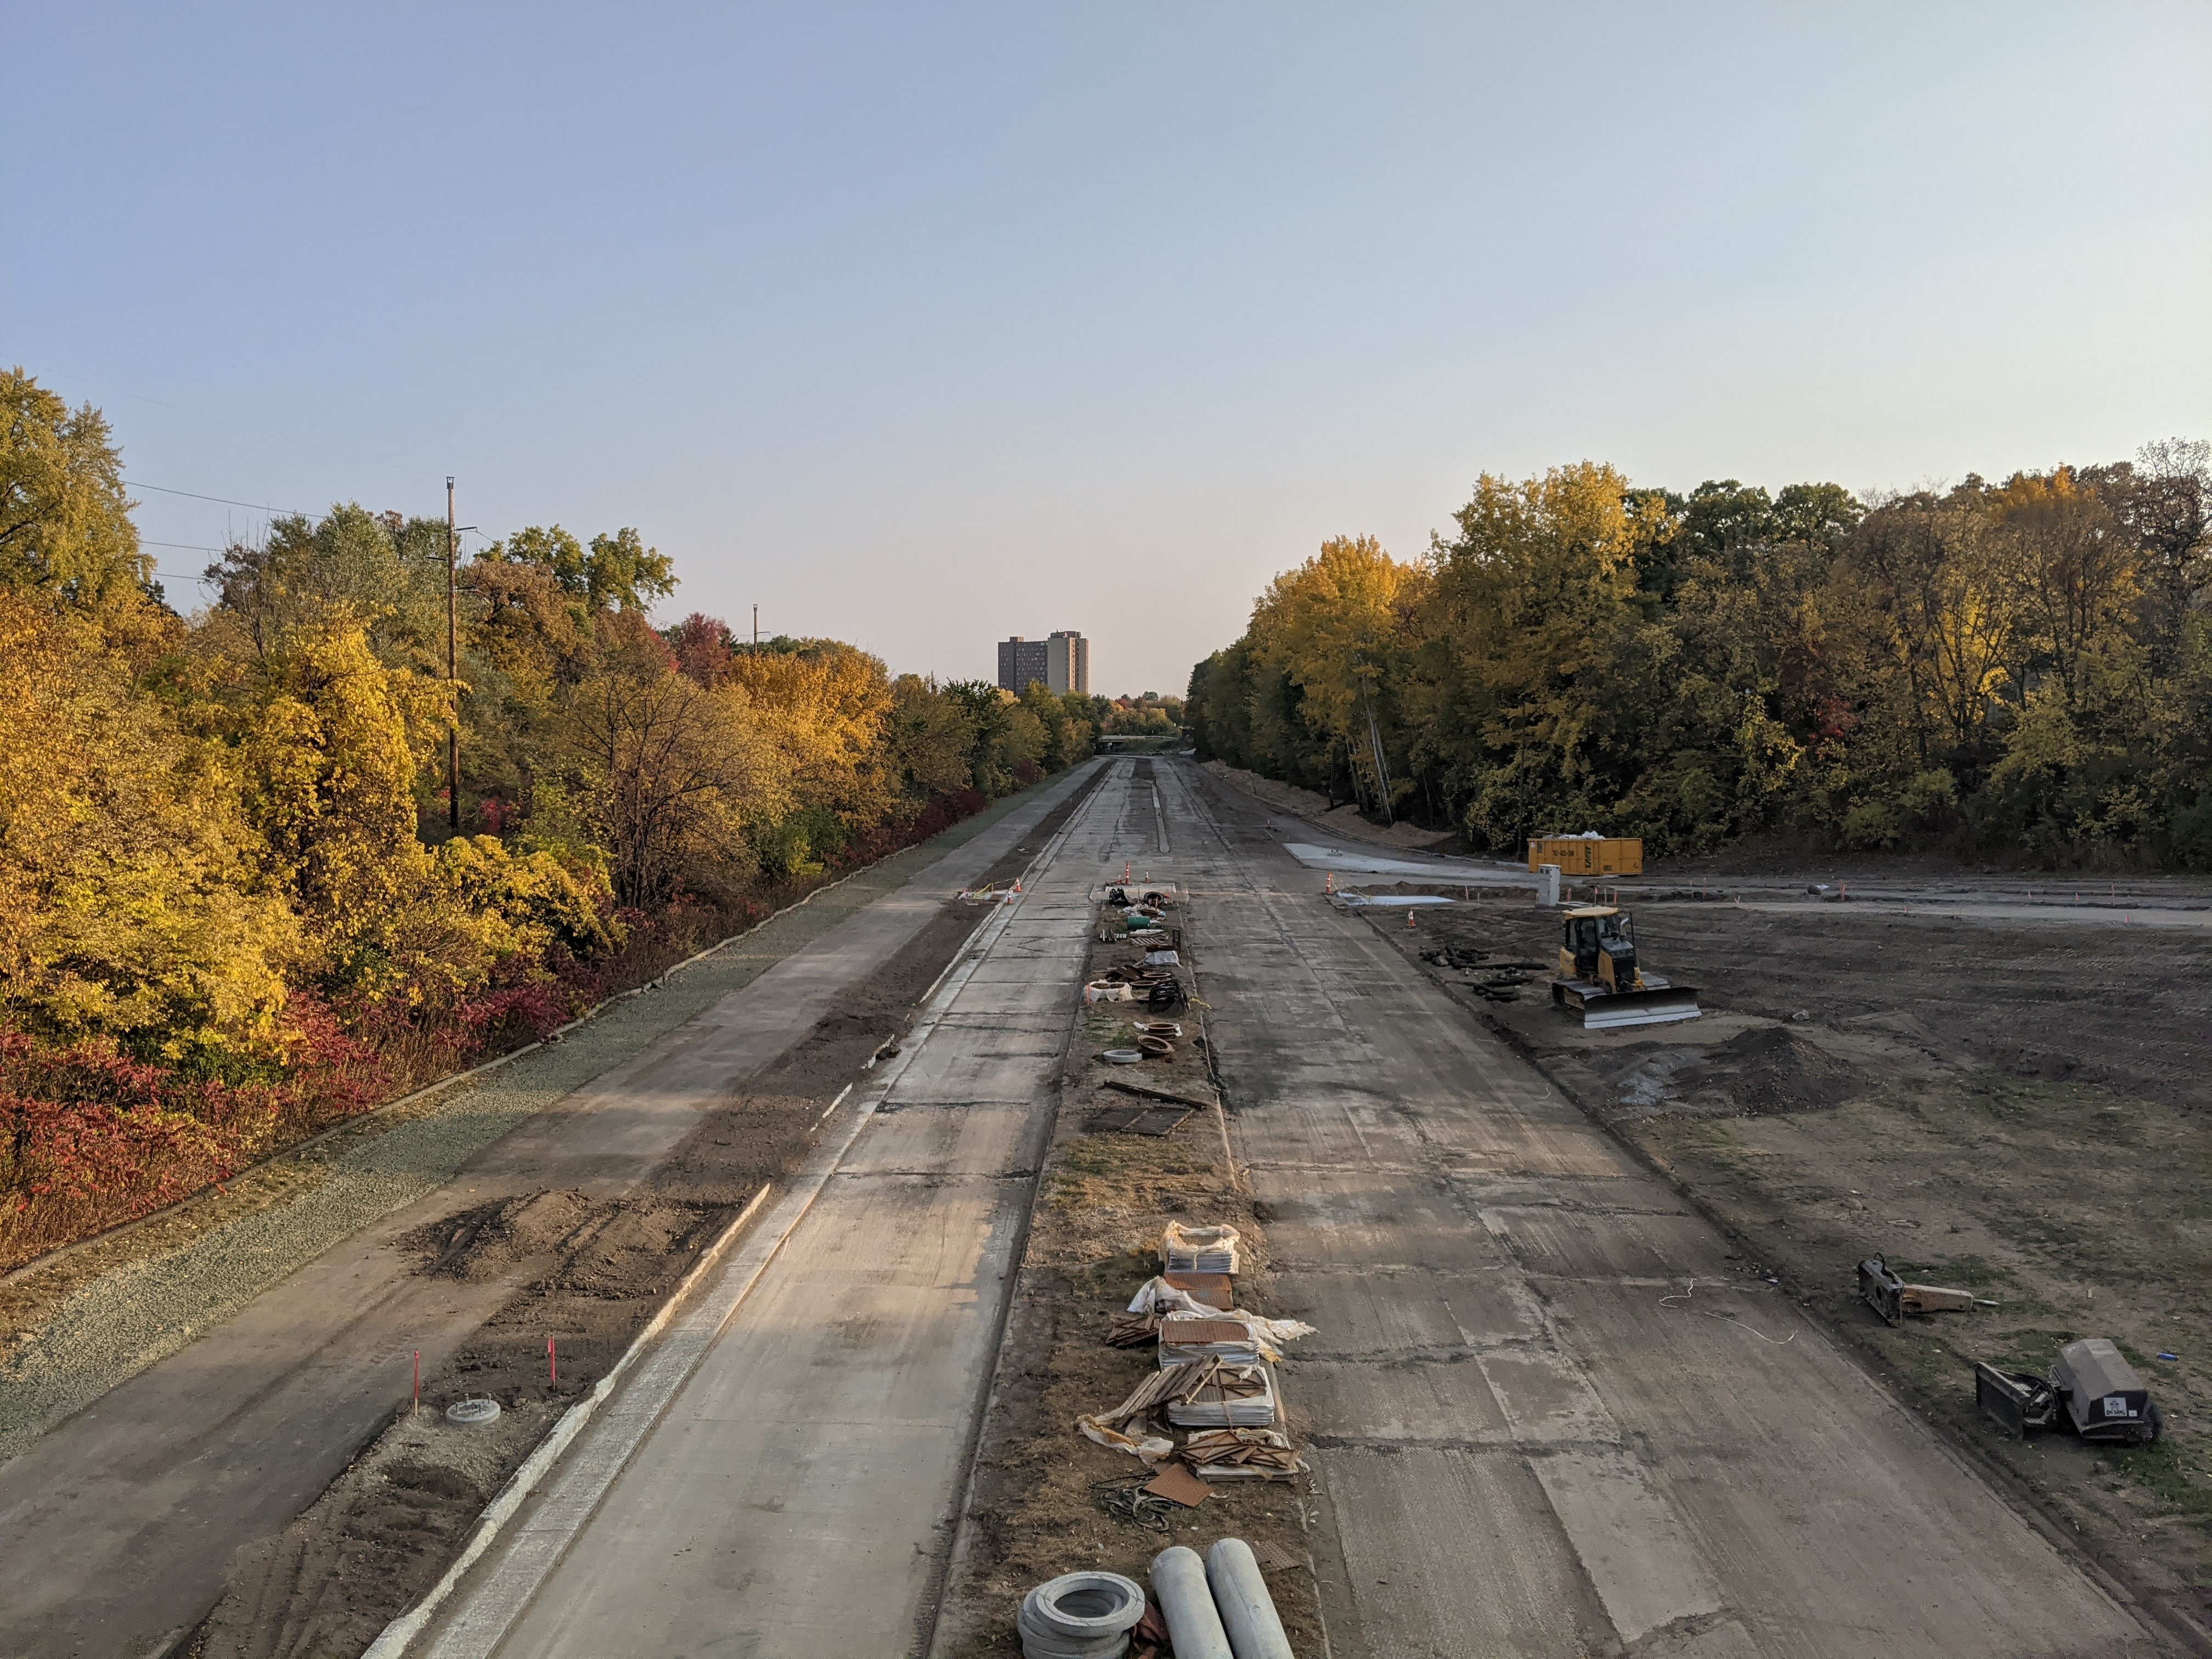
point(1194, 1622)
point(1248, 1612)
point(1043, 1644)
point(1080, 1615)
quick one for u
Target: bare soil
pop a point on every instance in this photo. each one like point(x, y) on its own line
point(2020, 1110)
point(380, 1534)
point(1344, 818)
point(1036, 1503)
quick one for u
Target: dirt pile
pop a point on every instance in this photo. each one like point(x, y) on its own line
point(1770, 1070)
point(492, 1240)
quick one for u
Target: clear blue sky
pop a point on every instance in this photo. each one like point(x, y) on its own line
point(923, 325)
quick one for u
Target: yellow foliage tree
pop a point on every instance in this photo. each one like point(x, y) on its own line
point(1336, 627)
point(329, 755)
point(133, 904)
point(823, 712)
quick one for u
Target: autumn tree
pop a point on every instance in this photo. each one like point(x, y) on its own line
point(66, 537)
point(134, 900)
point(667, 773)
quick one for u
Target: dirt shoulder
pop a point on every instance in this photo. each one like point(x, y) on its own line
point(1042, 1499)
point(1345, 820)
point(2019, 1111)
point(595, 1271)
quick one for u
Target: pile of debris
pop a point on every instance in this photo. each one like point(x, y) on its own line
point(1217, 1609)
point(1499, 981)
point(1216, 1378)
point(1153, 979)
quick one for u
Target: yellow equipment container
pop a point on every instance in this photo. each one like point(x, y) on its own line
point(1588, 855)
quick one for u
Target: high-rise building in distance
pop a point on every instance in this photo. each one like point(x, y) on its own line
point(1061, 660)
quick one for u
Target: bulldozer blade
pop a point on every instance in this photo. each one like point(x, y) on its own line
point(1603, 1010)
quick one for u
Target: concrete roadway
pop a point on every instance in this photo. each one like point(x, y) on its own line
point(115, 1529)
point(794, 1495)
point(1531, 1435)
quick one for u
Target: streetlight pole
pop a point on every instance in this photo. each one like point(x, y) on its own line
point(453, 671)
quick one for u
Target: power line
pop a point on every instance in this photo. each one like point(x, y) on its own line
point(182, 547)
point(259, 506)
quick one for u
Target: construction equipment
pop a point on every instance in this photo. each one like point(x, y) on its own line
point(1599, 978)
point(2101, 1395)
point(1893, 1298)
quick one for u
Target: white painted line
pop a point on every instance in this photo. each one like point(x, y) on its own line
point(835, 1103)
point(484, 1617)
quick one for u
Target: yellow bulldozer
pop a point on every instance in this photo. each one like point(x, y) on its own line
point(1599, 979)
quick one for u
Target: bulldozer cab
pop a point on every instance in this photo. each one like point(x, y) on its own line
point(1598, 946)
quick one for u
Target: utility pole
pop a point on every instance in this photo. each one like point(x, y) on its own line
point(1382, 765)
point(755, 630)
point(452, 670)
point(1366, 672)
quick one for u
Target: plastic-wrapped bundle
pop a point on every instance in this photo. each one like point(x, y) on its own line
point(1236, 1338)
point(1199, 1249)
point(1233, 1397)
point(1185, 1337)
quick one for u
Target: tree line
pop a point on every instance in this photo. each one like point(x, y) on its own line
point(2019, 669)
point(231, 907)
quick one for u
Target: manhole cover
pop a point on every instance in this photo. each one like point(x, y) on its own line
point(471, 1413)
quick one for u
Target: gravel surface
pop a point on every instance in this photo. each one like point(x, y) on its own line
point(105, 1331)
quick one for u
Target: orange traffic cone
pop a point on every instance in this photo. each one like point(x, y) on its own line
point(1409, 918)
point(1328, 882)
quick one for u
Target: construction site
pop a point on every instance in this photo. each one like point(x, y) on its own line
point(1150, 1221)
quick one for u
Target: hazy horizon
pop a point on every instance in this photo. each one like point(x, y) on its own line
point(923, 330)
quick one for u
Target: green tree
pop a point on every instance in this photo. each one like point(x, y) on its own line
point(66, 537)
point(385, 572)
point(931, 737)
point(616, 572)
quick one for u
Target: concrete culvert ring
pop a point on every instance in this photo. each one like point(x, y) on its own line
point(1086, 1606)
point(1042, 1644)
point(473, 1413)
point(1158, 1047)
point(1121, 1056)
